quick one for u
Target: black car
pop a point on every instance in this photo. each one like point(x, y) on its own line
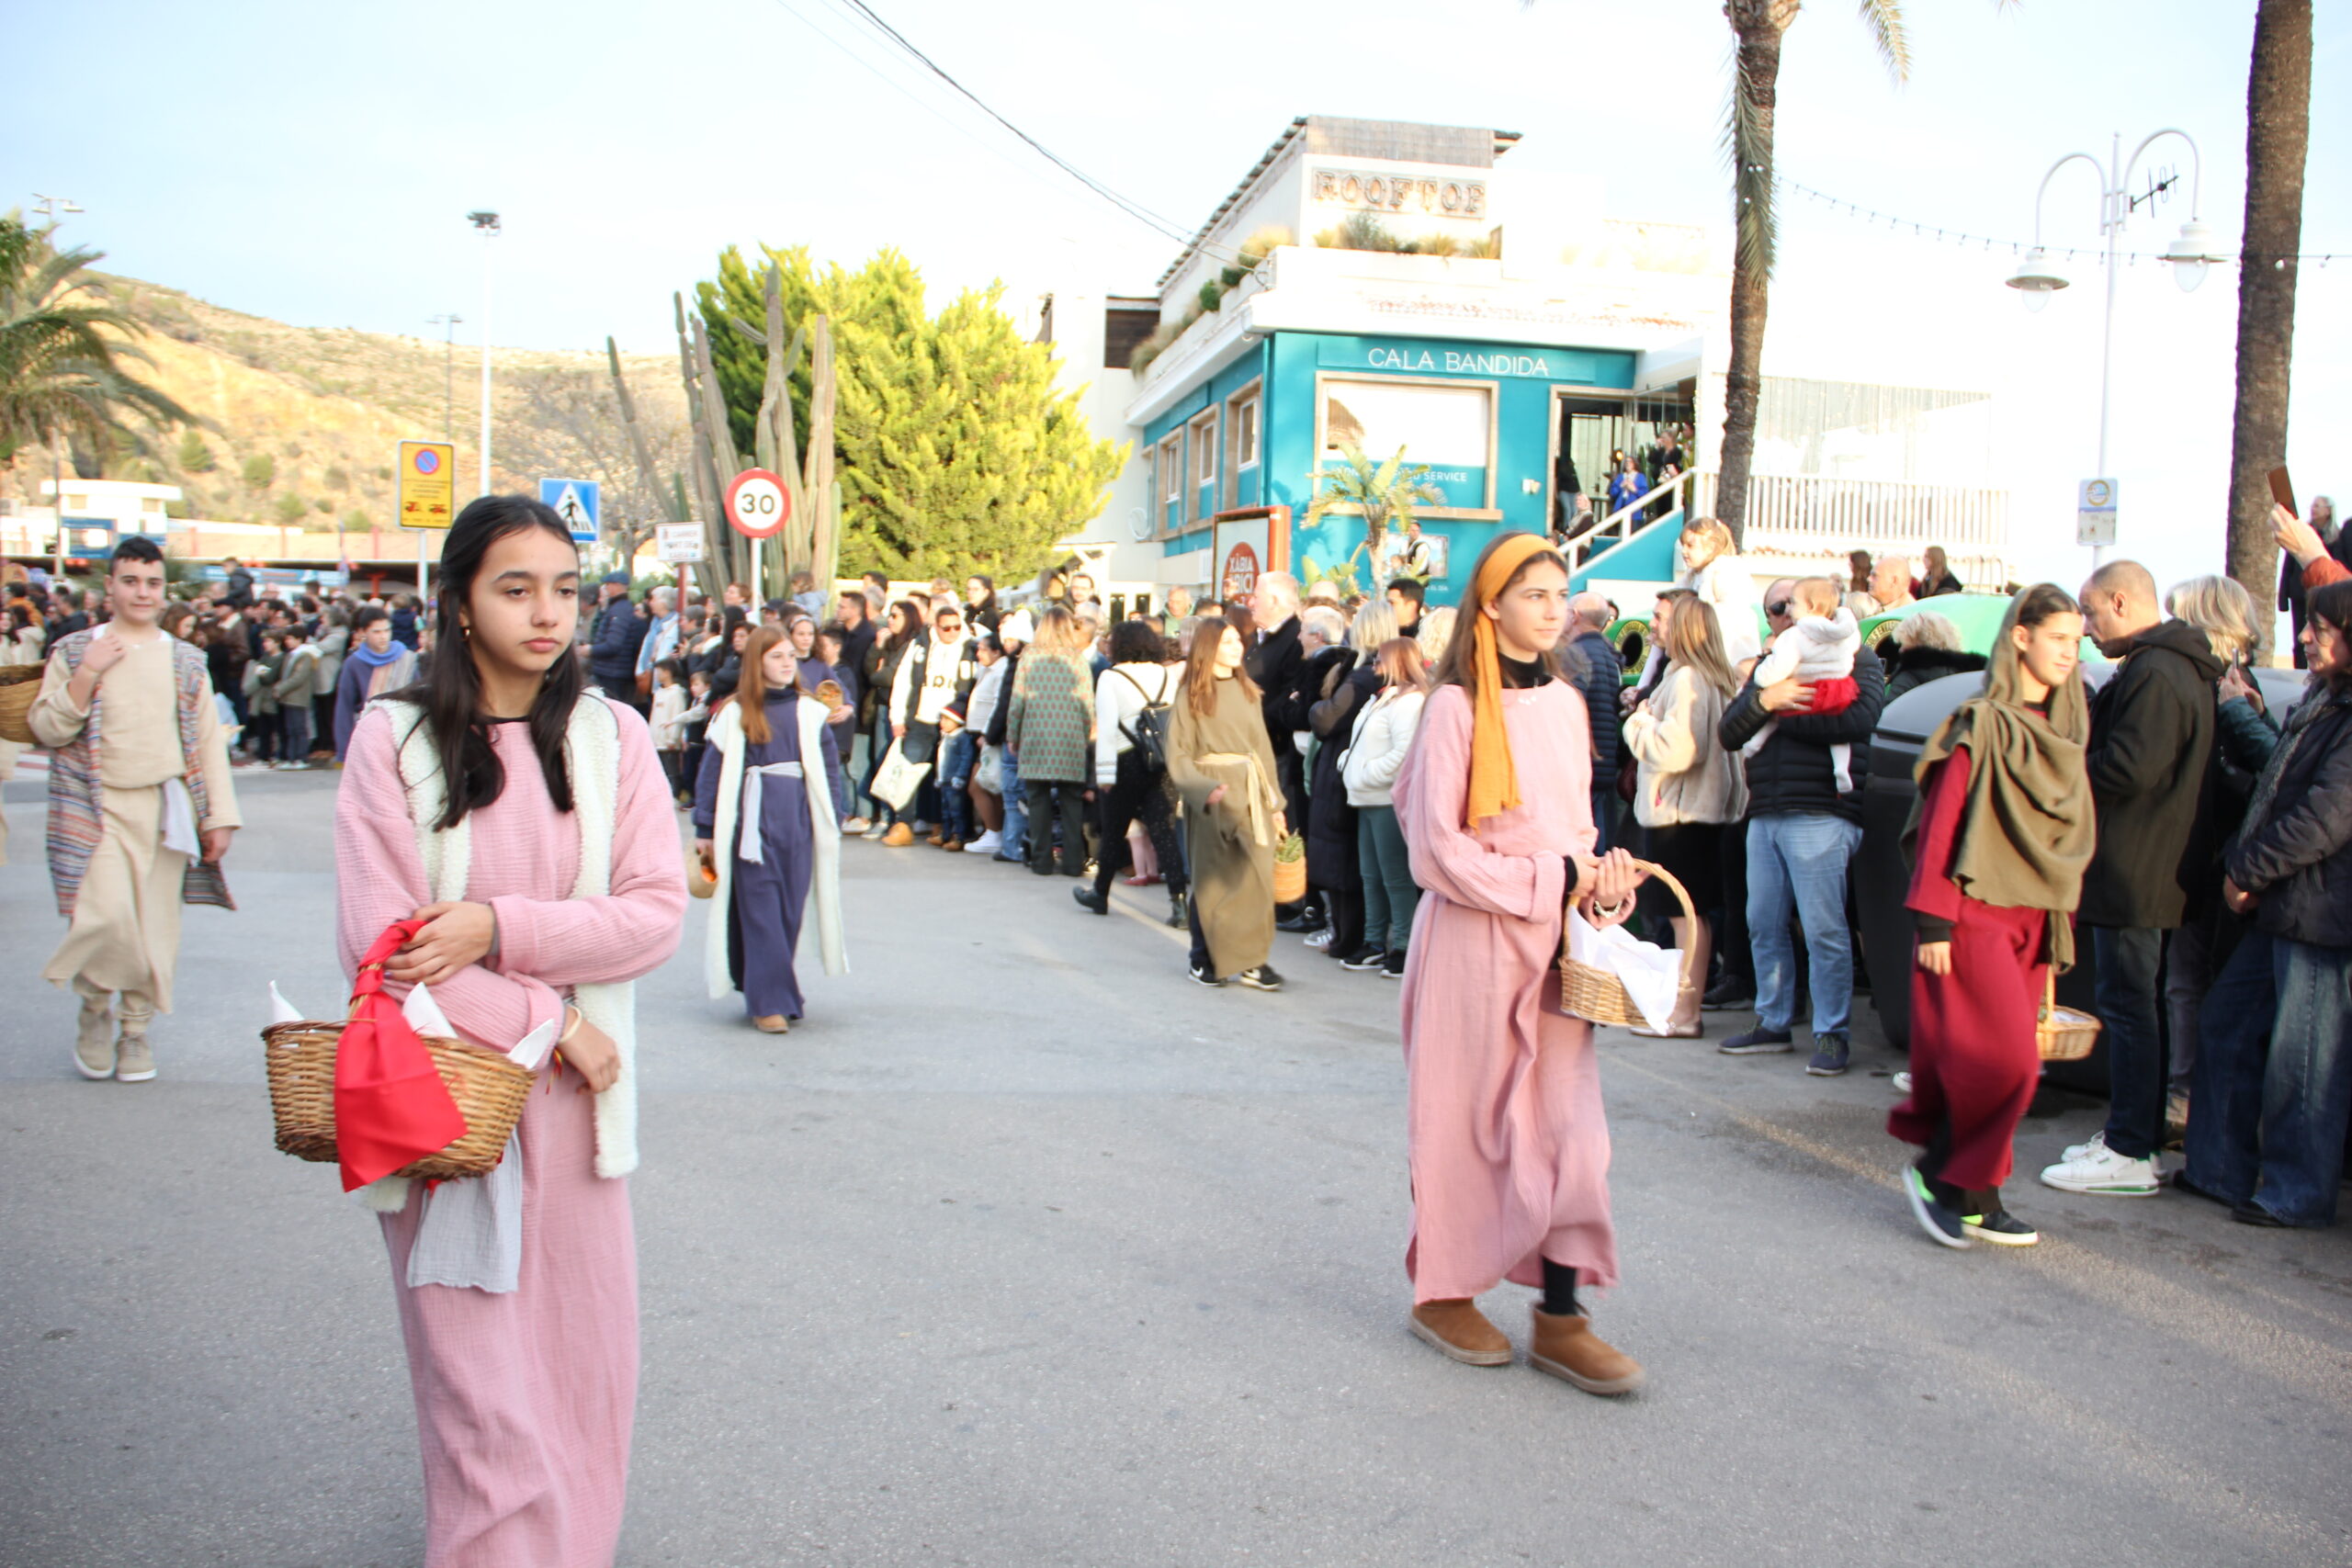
point(1882, 875)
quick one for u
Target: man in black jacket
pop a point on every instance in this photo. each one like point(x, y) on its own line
point(1275, 665)
point(614, 639)
point(1600, 675)
point(1802, 831)
point(2152, 735)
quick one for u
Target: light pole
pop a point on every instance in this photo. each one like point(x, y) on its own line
point(486, 224)
point(2036, 279)
point(449, 320)
point(50, 207)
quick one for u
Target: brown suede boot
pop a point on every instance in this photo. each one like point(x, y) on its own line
point(1458, 1328)
point(1567, 1347)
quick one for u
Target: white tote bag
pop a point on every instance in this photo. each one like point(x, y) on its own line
point(898, 779)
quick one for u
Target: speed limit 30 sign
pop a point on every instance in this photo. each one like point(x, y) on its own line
point(758, 505)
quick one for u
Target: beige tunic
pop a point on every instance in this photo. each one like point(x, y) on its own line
point(126, 931)
point(1232, 843)
point(22, 648)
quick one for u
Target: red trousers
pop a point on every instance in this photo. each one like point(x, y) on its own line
point(1973, 1060)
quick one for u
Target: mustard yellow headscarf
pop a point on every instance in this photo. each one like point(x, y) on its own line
point(1494, 781)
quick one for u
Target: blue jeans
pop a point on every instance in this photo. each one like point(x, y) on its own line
point(1015, 835)
point(2271, 1088)
point(1796, 860)
point(2128, 959)
point(955, 775)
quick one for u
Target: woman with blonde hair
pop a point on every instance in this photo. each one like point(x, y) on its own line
point(1379, 742)
point(1050, 733)
point(1716, 572)
point(1507, 1137)
point(1924, 647)
point(2244, 734)
point(1435, 633)
point(1687, 786)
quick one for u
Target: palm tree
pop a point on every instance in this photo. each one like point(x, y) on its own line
point(64, 343)
point(1756, 26)
point(1385, 493)
point(2277, 130)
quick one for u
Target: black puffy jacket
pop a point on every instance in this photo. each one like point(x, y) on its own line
point(2152, 737)
point(1600, 674)
point(2299, 857)
point(1793, 770)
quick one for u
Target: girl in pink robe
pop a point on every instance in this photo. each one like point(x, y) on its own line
point(525, 1398)
point(1507, 1141)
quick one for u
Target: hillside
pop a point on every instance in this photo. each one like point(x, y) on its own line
point(305, 420)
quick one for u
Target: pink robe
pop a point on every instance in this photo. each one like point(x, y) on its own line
point(523, 1401)
point(1508, 1142)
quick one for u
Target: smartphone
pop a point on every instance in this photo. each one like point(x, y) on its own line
point(2282, 491)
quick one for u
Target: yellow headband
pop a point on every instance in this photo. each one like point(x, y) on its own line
point(1493, 780)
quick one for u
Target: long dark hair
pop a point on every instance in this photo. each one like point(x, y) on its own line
point(909, 627)
point(1200, 667)
point(450, 693)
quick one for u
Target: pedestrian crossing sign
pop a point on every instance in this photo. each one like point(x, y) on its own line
point(577, 501)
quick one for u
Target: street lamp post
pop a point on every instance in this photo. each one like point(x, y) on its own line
point(487, 225)
point(2036, 279)
point(50, 207)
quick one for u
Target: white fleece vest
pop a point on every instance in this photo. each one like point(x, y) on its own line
point(592, 758)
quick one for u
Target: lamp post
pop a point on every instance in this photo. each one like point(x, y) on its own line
point(487, 225)
point(2036, 279)
point(448, 321)
point(50, 207)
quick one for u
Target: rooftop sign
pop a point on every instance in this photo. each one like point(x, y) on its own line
point(1372, 192)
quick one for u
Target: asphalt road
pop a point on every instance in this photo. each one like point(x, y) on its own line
point(1025, 1250)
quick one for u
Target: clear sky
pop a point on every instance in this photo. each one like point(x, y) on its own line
point(315, 163)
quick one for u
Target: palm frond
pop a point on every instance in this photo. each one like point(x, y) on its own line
point(1885, 20)
point(1747, 153)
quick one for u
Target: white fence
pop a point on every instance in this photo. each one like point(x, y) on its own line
point(1799, 519)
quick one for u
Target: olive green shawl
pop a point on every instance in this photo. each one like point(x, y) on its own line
point(2026, 829)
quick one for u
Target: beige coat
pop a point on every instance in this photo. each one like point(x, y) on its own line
point(1232, 843)
point(1682, 772)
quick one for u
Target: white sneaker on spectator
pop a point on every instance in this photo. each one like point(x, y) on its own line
point(2102, 1173)
point(988, 843)
point(2073, 1152)
point(1902, 1083)
point(1319, 939)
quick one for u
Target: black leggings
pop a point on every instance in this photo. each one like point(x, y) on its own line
point(1045, 796)
point(1138, 793)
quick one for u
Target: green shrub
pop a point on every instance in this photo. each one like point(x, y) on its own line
point(261, 472)
point(290, 509)
point(195, 456)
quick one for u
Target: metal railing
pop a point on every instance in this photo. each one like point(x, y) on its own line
point(1804, 516)
point(1630, 519)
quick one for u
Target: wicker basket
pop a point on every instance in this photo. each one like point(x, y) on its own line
point(19, 684)
point(1289, 875)
point(2063, 1033)
point(1598, 996)
point(489, 1088)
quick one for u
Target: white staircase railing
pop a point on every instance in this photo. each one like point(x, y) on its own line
point(1620, 526)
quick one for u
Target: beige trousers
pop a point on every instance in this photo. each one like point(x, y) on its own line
point(125, 931)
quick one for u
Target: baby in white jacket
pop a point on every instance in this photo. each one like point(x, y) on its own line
point(1819, 651)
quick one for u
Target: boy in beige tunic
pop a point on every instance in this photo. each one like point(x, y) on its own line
point(141, 809)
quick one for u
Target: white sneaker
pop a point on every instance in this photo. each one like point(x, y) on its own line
point(985, 844)
point(1902, 1083)
point(875, 831)
point(2101, 1172)
point(1319, 939)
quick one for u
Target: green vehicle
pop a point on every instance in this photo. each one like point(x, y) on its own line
point(1978, 616)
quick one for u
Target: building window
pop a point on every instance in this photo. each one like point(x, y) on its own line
point(1245, 433)
point(1171, 469)
point(1126, 323)
point(1444, 426)
point(1204, 450)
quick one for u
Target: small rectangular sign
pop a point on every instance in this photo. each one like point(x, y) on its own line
point(428, 484)
point(680, 544)
point(2095, 513)
point(580, 502)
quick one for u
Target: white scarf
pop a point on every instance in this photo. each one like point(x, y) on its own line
point(726, 733)
point(592, 758)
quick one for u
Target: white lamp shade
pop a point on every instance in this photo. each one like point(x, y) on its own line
point(2191, 254)
point(2036, 280)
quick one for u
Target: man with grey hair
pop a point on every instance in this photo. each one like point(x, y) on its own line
point(1277, 665)
point(661, 638)
point(1891, 582)
point(1600, 675)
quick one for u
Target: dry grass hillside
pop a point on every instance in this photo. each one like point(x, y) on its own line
point(302, 423)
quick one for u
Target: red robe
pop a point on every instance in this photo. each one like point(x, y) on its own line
point(1974, 1057)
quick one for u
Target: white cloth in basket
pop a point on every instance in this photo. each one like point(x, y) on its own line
point(1652, 975)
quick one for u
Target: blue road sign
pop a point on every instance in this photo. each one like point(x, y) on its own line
point(577, 501)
